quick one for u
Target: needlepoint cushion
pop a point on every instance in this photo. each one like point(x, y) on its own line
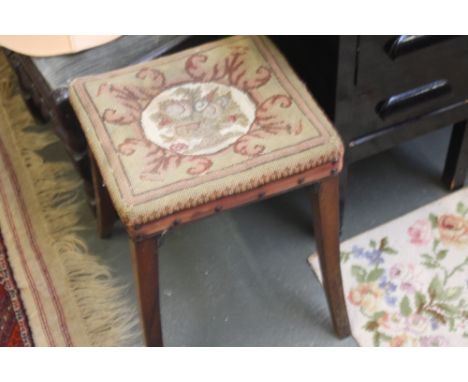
point(193, 127)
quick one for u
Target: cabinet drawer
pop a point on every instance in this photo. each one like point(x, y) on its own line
point(387, 65)
point(393, 85)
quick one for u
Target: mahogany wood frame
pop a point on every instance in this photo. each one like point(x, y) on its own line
point(144, 240)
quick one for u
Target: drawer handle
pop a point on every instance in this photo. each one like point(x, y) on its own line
point(412, 97)
point(408, 43)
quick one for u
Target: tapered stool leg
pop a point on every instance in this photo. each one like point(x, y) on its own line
point(326, 214)
point(105, 211)
point(343, 187)
point(145, 269)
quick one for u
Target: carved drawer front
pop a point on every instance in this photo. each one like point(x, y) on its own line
point(399, 78)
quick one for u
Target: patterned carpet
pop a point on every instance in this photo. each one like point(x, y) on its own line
point(406, 282)
point(61, 294)
point(14, 327)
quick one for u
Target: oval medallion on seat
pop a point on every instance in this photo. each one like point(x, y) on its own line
point(198, 118)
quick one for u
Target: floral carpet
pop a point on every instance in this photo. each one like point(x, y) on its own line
point(406, 282)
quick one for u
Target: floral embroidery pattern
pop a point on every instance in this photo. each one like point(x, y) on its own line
point(184, 123)
point(197, 119)
point(410, 288)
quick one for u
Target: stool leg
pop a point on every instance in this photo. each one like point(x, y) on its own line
point(326, 214)
point(343, 187)
point(456, 164)
point(105, 211)
point(145, 269)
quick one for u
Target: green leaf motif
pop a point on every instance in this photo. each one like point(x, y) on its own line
point(376, 339)
point(375, 274)
point(435, 288)
point(427, 257)
point(405, 307)
point(385, 337)
point(442, 254)
point(429, 261)
point(461, 209)
point(384, 243)
point(434, 220)
point(345, 256)
point(429, 265)
point(383, 246)
point(453, 293)
point(420, 301)
point(435, 244)
point(359, 273)
point(448, 309)
point(390, 251)
point(378, 315)
point(451, 323)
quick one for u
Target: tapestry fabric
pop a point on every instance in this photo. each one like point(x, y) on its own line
point(406, 282)
point(192, 127)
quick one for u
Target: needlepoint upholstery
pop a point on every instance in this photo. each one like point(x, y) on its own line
point(199, 125)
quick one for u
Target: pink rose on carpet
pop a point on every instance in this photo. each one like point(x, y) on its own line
point(420, 232)
point(453, 229)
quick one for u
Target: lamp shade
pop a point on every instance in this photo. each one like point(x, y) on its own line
point(52, 45)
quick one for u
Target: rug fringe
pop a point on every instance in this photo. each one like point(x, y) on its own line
point(109, 319)
point(103, 303)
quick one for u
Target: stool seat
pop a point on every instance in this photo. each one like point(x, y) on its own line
point(210, 122)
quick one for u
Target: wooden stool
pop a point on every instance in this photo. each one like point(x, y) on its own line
point(198, 132)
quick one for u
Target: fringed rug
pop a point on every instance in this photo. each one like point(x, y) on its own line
point(406, 282)
point(52, 291)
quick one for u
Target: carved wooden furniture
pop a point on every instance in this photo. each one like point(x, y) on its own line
point(205, 130)
point(44, 83)
point(383, 90)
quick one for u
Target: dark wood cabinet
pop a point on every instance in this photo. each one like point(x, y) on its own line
point(383, 90)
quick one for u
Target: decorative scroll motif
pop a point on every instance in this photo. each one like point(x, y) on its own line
point(184, 125)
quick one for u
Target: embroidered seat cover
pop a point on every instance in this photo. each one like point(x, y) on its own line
point(199, 125)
